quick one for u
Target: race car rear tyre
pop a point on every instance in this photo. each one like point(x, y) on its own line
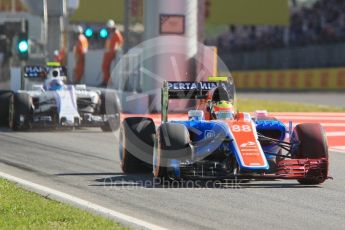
point(309, 141)
point(136, 144)
point(110, 105)
point(172, 143)
point(20, 111)
point(5, 96)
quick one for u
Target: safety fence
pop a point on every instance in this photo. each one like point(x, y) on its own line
point(313, 56)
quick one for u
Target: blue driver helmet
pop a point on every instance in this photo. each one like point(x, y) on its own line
point(56, 84)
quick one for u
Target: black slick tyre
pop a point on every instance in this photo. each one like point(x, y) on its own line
point(310, 142)
point(136, 144)
point(5, 97)
point(110, 105)
point(20, 111)
point(172, 143)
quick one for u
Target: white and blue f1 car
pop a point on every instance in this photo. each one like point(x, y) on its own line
point(51, 103)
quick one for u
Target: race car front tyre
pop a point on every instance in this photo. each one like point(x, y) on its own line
point(309, 141)
point(5, 96)
point(110, 105)
point(136, 144)
point(20, 111)
point(172, 144)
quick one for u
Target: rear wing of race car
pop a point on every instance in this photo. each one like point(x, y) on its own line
point(189, 90)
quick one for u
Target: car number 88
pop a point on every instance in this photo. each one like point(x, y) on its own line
point(241, 128)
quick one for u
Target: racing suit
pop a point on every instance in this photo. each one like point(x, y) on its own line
point(80, 50)
point(112, 43)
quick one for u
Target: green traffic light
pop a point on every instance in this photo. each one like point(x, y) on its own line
point(88, 32)
point(23, 46)
point(103, 33)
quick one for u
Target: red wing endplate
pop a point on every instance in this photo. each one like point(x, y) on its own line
point(248, 148)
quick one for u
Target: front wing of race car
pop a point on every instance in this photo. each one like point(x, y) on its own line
point(294, 169)
point(302, 169)
point(63, 108)
point(85, 120)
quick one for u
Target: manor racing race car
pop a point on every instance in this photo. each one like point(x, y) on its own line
point(216, 142)
point(56, 104)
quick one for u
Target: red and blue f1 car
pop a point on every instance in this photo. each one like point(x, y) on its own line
point(220, 143)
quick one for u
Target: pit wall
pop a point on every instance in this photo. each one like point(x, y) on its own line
point(327, 79)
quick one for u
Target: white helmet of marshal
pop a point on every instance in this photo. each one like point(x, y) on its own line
point(111, 24)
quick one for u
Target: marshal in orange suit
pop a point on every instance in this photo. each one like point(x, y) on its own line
point(113, 42)
point(80, 49)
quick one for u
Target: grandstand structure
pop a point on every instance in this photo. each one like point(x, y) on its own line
point(308, 54)
point(314, 38)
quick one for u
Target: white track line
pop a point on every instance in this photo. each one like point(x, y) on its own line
point(323, 124)
point(336, 114)
point(333, 124)
point(81, 202)
point(335, 134)
point(340, 118)
point(338, 148)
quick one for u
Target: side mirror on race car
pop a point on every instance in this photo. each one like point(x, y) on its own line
point(196, 115)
